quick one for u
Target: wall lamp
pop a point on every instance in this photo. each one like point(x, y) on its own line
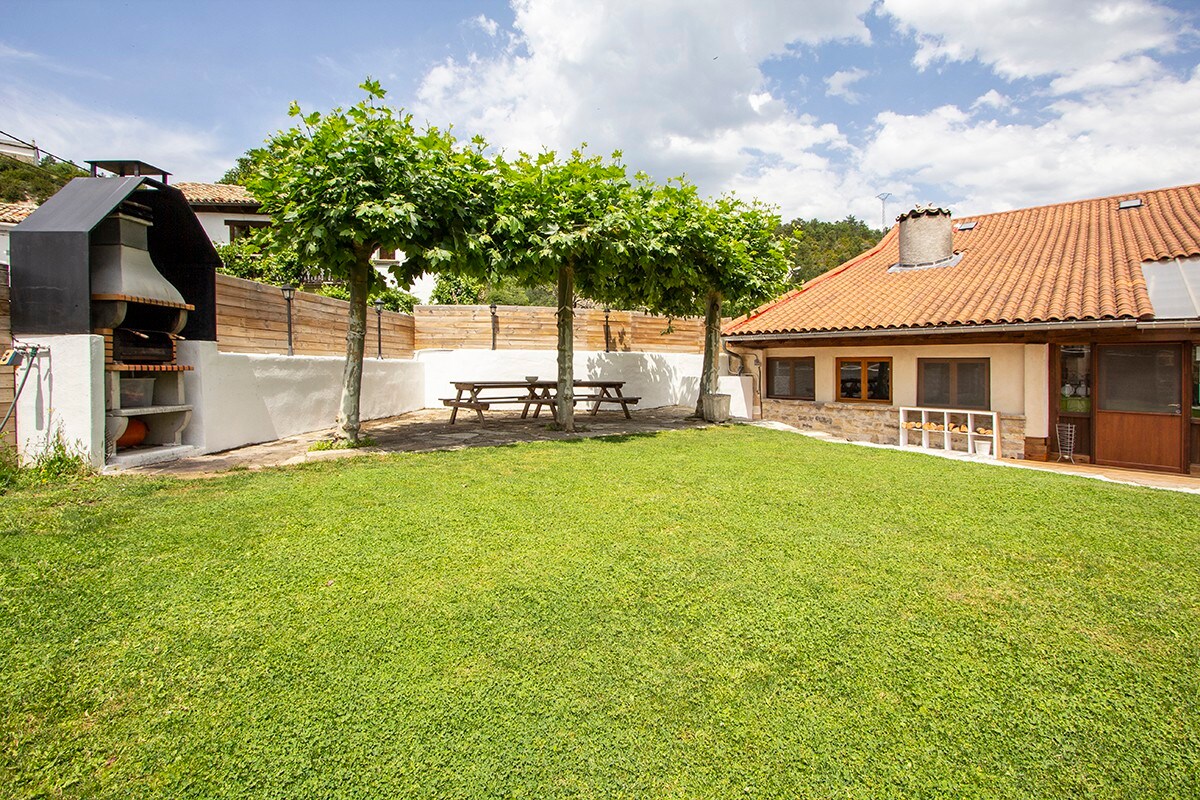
point(289, 292)
point(379, 326)
point(495, 324)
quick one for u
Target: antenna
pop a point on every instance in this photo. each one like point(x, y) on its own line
point(882, 197)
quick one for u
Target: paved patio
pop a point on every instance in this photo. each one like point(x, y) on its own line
point(422, 431)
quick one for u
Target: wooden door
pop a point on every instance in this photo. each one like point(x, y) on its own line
point(1139, 406)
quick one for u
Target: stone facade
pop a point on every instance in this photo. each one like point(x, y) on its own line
point(865, 422)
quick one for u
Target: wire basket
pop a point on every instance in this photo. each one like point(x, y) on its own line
point(1066, 441)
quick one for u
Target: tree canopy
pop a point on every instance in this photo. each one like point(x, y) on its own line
point(821, 245)
point(341, 184)
point(562, 222)
point(700, 257)
point(457, 290)
point(21, 181)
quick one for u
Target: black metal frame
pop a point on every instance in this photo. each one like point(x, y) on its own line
point(50, 273)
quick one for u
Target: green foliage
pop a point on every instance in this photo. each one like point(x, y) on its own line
point(345, 183)
point(341, 184)
point(59, 463)
point(821, 246)
point(257, 258)
point(239, 173)
point(456, 290)
point(393, 299)
point(21, 181)
point(500, 622)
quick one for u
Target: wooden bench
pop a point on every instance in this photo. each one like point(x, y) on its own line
point(597, 399)
point(484, 403)
point(537, 394)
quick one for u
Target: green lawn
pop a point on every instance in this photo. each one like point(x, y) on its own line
point(712, 613)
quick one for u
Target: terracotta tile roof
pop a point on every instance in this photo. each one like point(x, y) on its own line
point(217, 194)
point(13, 213)
point(1070, 261)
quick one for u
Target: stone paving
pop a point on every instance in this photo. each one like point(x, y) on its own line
point(429, 429)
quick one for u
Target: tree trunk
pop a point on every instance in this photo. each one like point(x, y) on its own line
point(356, 334)
point(564, 410)
point(712, 346)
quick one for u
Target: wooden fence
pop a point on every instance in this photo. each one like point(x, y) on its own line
point(252, 318)
point(536, 328)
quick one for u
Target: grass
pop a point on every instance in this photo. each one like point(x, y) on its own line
point(711, 613)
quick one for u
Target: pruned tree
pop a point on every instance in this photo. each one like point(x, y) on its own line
point(342, 184)
point(747, 265)
point(560, 222)
point(698, 257)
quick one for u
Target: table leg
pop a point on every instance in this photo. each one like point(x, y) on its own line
point(624, 406)
point(454, 410)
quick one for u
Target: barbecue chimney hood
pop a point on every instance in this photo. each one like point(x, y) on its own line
point(109, 252)
point(121, 262)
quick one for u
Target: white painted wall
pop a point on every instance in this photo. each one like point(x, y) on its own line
point(5, 257)
point(247, 398)
point(63, 396)
point(740, 389)
point(1037, 390)
point(659, 379)
point(1008, 370)
point(214, 223)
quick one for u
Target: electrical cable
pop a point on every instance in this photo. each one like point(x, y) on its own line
point(30, 352)
point(40, 150)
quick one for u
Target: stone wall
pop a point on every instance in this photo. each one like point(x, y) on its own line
point(863, 422)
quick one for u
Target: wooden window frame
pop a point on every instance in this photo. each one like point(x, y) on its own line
point(793, 395)
point(863, 362)
point(239, 228)
point(953, 362)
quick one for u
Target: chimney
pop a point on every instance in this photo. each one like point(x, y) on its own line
point(926, 238)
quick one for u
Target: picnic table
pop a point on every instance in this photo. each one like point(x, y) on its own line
point(478, 396)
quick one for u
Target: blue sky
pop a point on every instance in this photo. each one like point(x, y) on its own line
point(814, 106)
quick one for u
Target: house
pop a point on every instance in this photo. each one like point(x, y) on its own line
point(10, 215)
point(229, 211)
point(1082, 314)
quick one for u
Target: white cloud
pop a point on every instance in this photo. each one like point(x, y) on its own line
point(838, 84)
point(72, 131)
point(991, 99)
point(1075, 39)
point(1109, 141)
point(677, 84)
point(9, 53)
point(486, 24)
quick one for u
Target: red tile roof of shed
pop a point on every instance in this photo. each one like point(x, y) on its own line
point(13, 213)
point(1070, 261)
point(223, 194)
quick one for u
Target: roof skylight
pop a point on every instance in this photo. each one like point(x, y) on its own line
point(1132, 202)
point(965, 226)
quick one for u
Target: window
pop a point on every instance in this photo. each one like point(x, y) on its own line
point(1196, 389)
point(386, 255)
point(1075, 379)
point(243, 227)
point(865, 379)
point(1140, 379)
point(954, 382)
point(792, 378)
